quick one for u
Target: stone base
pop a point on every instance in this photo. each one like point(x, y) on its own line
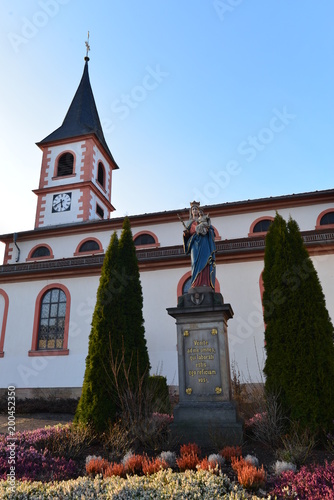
point(210, 425)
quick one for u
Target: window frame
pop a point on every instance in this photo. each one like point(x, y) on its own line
point(56, 165)
point(34, 351)
point(45, 257)
point(259, 219)
point(77, 252)
point(148, 245)
point(320, 216)
point(102, 185)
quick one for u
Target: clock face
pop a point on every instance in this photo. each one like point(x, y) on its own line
point(61, 202)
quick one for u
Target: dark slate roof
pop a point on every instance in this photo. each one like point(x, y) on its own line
point(82, 117)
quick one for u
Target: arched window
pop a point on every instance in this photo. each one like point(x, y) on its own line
point(65, 164)
point(101, 174)
point(144, 239)
point(327, 219)
point(40, 251)
point(260, 226)
point(52, 320)
point(89, 246)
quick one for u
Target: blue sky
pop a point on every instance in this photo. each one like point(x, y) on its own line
point(218, 100)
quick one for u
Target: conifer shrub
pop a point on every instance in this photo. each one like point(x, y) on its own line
point(117, 357)
point(299, 365)
point(158, 388)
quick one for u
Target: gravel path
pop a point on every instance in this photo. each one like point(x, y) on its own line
point(29, 422)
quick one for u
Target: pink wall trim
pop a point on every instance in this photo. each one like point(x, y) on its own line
point(251, 229)
point(184, 279)
point(8, 254)
point(40, 210)
point(64, 351)
point(88, 160)
point(43, 181)
point(327, 226)
point(90, 252)
point(4, 322)
point(51, 256)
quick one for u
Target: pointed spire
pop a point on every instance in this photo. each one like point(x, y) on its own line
point(82, 117)
point(87, 47)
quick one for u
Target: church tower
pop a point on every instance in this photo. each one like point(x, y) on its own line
point(77, 165)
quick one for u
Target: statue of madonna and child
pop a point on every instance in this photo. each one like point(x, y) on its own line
point(199, 243)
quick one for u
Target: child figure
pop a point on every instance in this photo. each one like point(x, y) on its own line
point(203, 223)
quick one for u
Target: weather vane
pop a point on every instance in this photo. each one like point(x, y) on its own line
point(87, 47)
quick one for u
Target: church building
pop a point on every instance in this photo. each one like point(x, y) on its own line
point(50, 274)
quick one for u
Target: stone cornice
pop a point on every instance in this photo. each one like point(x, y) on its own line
point(243, 249)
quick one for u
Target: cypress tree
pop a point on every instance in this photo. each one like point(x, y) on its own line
point(131, 297)
point(299, 332)
point(274, 300)
point(98, 403)
point(117, 345)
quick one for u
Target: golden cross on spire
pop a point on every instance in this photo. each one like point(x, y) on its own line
point(87, 47)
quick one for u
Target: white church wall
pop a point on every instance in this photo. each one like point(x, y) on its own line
point(239, 284)
point(324, 265)
point(67, 217)
point(160, 291)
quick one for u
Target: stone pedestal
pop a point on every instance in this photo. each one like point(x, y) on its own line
point(206, 413)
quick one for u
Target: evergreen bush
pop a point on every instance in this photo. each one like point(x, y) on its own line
point(299, 333)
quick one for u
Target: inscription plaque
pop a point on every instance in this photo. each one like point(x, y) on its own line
point(202, 367)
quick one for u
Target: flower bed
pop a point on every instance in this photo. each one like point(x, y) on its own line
point(162, 485)
point(48, 462)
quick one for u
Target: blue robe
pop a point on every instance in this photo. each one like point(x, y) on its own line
point(202, 250)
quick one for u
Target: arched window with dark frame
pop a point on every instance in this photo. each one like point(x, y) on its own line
point(52, 320)
point(262, 226)
point(101, 174)
point(65, 165)
point(327, 219)
point(89, 246)
point(40, 251)
point(144, 239)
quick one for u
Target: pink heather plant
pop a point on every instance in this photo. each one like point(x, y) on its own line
point(309, 483)
point(256, 419)
point(33, 461)
point(34, 465)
